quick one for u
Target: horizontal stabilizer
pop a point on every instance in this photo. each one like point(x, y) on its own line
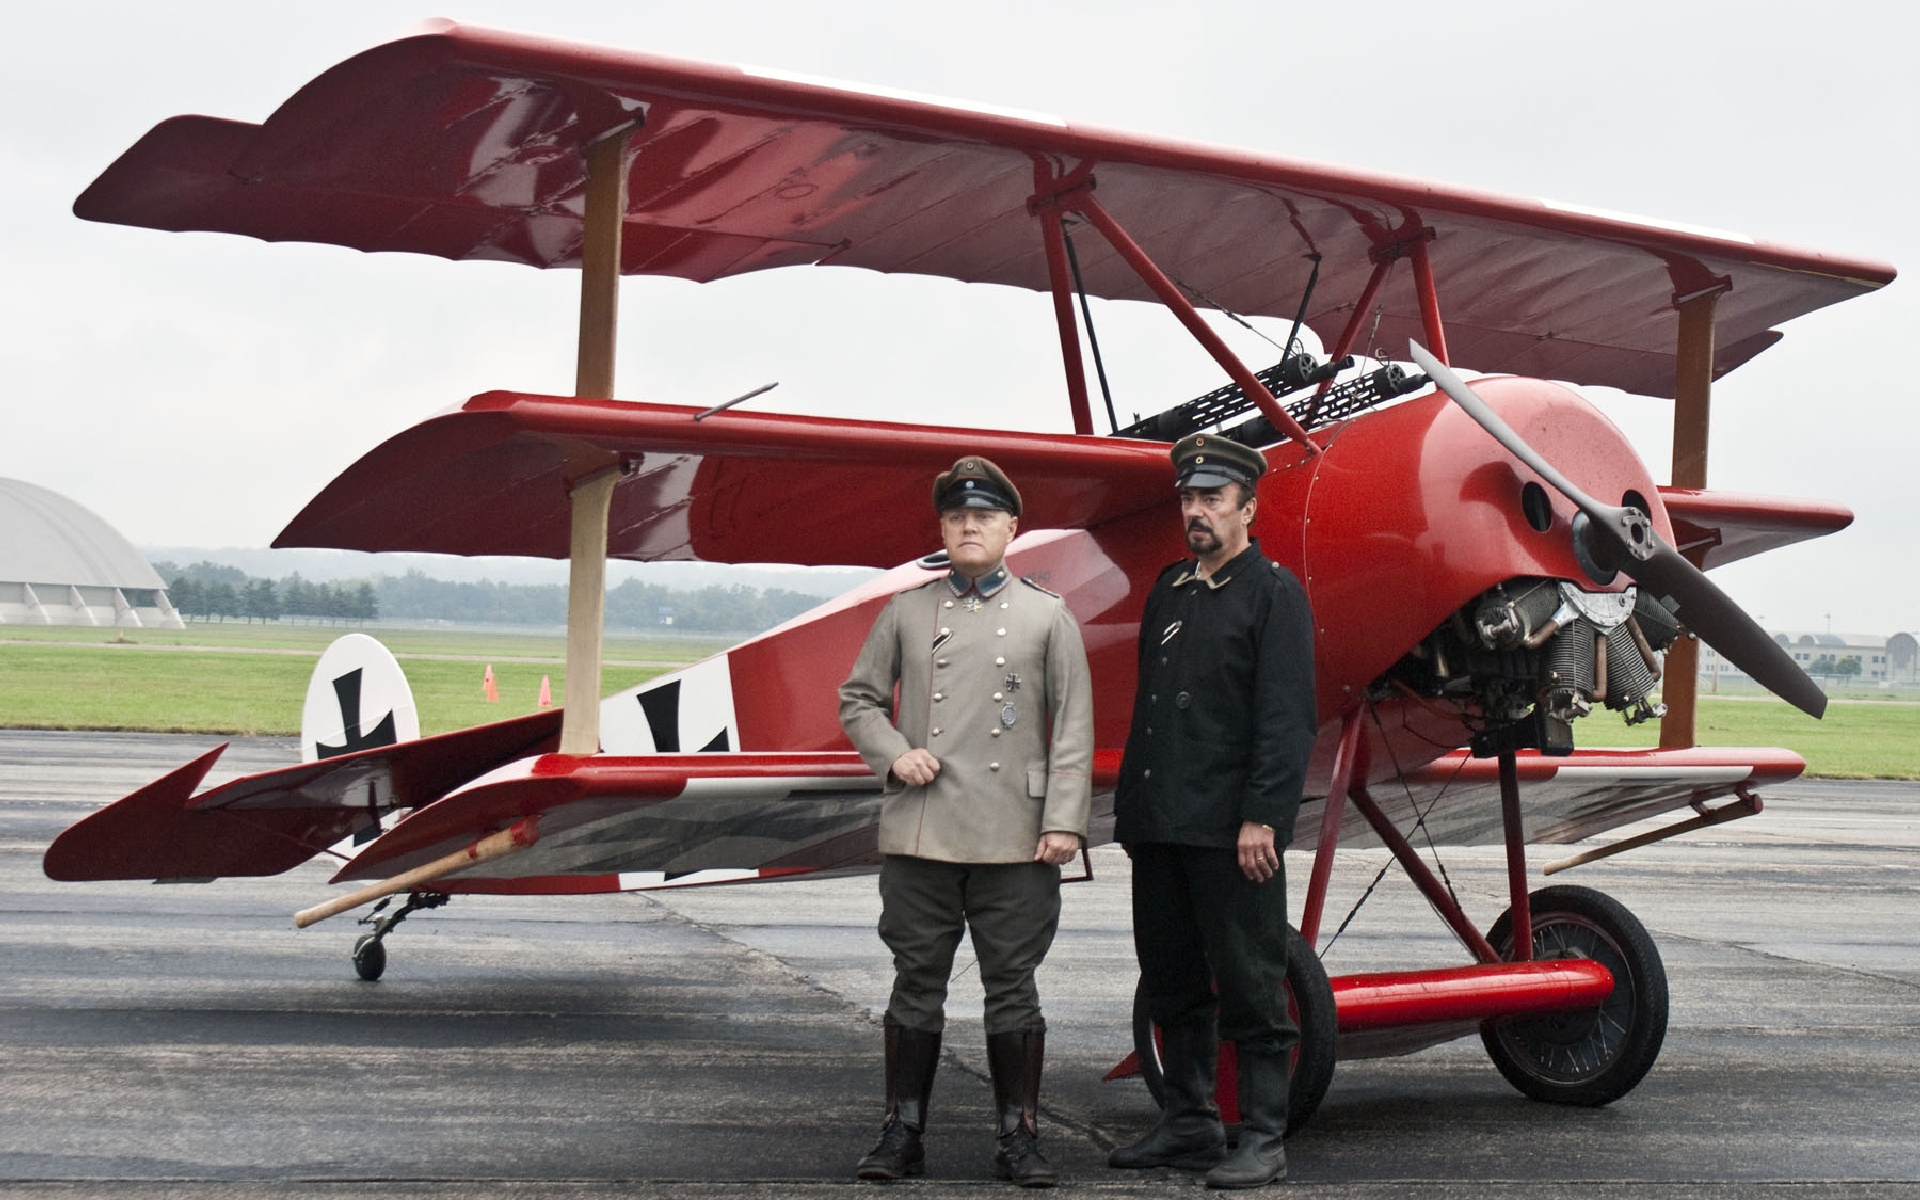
point(274, 821)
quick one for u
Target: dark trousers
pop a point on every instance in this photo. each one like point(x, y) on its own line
point(1012, 911)
point(1200, 925)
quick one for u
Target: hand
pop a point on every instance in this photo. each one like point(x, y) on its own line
point(1057, 848)
point(1259, 857)
point(916, 768)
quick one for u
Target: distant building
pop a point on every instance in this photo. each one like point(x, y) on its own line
point(1881, 659)
point(62, 565)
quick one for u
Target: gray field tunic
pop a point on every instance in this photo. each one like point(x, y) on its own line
point(983, 683)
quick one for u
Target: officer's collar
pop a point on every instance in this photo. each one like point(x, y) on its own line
point(986, 585)
point(1225, 574)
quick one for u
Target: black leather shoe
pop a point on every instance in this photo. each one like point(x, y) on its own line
point(1019, 1159)
point(897, 1155)
point(1189, 1134)
point(1260, 1157)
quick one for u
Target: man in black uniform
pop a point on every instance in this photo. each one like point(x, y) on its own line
point(1223, 723)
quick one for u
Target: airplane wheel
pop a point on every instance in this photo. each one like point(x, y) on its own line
point(369, 957)
point(1591, 1057)
point(1309, 1001)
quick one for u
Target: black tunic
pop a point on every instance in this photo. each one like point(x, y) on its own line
point(1224, 719)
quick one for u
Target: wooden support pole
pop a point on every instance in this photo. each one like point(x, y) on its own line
point(592, 496)
point(518, 836)
point(1693, 386)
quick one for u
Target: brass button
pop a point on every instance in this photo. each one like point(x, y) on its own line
point(948, 604)
point(998, 696)
point(939, 662)
point(934, 733)
point(993, 766)
point(938, 697)
point(1000, 633)
point(993, 733)
point(999, 662)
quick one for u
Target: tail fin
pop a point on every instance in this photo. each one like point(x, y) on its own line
point(358, 699)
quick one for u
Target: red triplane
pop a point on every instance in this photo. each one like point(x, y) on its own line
point(1472, 601)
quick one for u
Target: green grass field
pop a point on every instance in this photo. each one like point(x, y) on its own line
point(239, 679)
point(1866, 739)
point(252, 679)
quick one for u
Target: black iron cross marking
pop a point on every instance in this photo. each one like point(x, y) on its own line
point(346, 689)
point(1012, 683)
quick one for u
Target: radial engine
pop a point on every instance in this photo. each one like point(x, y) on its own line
point(1528, 656)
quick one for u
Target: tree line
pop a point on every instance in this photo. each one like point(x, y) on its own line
point(215, 592)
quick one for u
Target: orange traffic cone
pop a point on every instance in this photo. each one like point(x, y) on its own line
point(546, 692)
point(487, 685)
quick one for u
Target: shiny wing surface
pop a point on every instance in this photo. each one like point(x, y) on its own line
point(466, 143)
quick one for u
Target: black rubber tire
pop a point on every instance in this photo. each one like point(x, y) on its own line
point(1309, 998)
point(1591, 1057)
point(369, 957)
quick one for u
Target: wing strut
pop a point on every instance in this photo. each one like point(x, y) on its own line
point(1693, 387)
point(591, 489)
point(1074, 193)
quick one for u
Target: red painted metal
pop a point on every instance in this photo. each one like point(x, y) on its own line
point(1060, 281)
point(1345, 767)
point(1516, 837)
point(1423, 878)
point(1178, 304)
point(1475, 993)
point(1429, 298)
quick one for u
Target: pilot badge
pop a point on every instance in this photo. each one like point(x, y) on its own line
point(1008, 715)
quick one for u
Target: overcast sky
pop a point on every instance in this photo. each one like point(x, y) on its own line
point(197, 389)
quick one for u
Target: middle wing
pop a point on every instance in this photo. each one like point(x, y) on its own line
point(736, 487)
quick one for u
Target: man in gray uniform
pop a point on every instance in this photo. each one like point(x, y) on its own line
point(1223, 724)
point(988, 786)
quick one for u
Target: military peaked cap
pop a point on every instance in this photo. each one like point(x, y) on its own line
point(974, 482)
point(1207, 460)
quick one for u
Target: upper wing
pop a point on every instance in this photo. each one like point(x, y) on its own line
point(466, 143)
point(736, 487)
point(274, 821)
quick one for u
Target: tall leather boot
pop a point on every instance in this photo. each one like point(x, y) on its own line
point(1189, 1133)
point(1261, 1155)
point(1014, 1059)
point(912, 1056)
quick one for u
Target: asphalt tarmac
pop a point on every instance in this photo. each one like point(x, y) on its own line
point(187, 1040)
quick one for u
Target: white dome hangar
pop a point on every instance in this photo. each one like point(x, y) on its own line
point(62, 565)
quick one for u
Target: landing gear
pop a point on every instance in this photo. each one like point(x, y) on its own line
point(369, 955)
point(1309, 1001)
point(1593, 1056)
